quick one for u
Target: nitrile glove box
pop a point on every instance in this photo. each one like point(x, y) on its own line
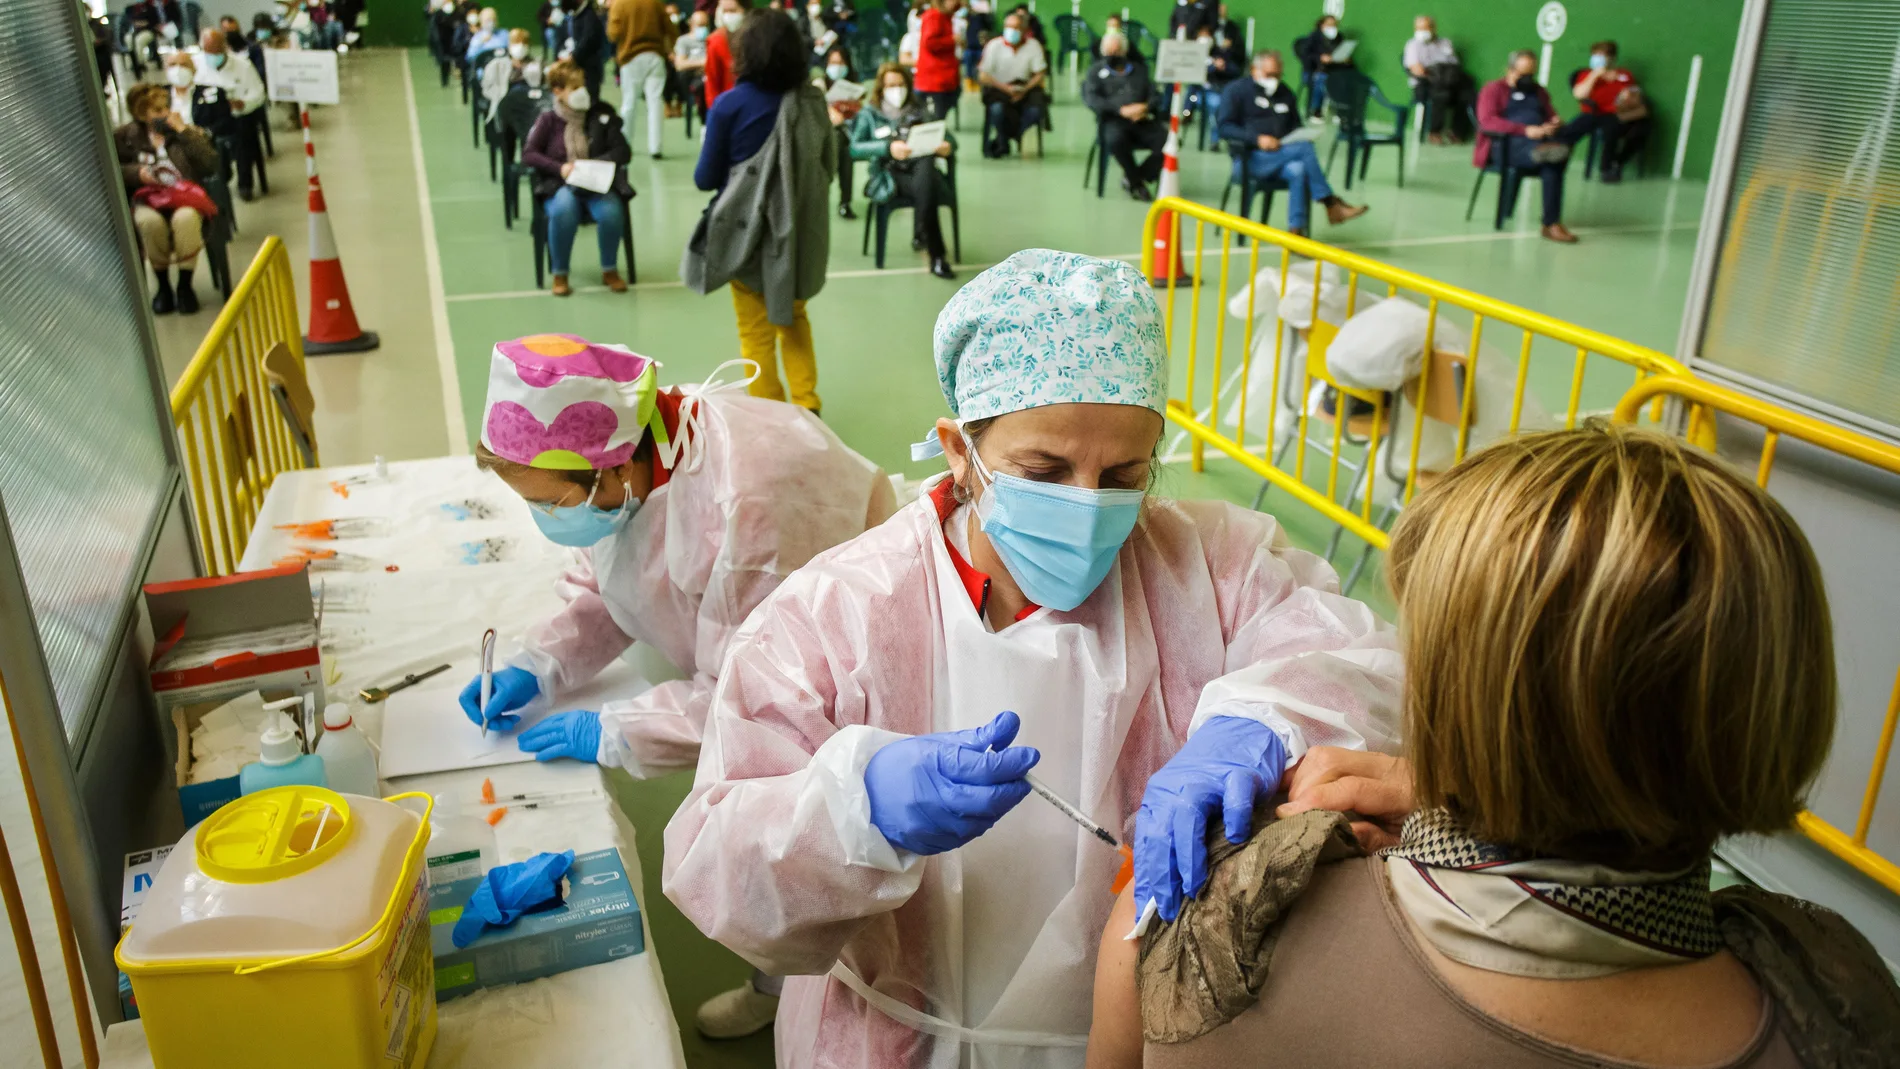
point(599, 922)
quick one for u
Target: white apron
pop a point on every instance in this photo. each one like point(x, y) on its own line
point(1013, 981)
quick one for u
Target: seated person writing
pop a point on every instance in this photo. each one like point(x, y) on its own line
point(1655, 673)
point(1120, 93)
point(879, 134)
point(1255, 117)
point(1613, 108)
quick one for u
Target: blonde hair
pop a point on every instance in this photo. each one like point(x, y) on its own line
point(564, 74)
point(517, 36)
point(1618, 649)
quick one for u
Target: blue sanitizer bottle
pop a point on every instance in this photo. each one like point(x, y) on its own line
point(281, 762)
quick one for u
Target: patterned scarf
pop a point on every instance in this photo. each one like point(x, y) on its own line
point(1504, 910)
point(574, 135)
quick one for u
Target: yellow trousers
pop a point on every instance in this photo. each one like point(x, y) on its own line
point(766, 344)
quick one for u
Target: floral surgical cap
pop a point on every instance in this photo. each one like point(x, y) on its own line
point(558, 401)
point(1046, 328)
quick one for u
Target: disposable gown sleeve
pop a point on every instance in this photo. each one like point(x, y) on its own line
point(1317, 667)
point(571, 647)
point(773, 853)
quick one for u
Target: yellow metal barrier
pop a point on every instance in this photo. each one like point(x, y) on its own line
point(232, 438)
point(1775, 422)
point(1199, 412)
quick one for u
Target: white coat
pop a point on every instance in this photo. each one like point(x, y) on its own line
point(770, 486)
point(985, 955)
point(241, 83)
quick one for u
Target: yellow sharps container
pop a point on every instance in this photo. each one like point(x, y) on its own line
point(290, 930)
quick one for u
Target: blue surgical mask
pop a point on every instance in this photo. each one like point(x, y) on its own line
point(217, 60)
point(1057, 541)
point(1013, 35)
point(585, 524)
point(836, 71)
point(1598, 61)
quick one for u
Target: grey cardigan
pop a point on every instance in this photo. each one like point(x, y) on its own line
point(770, 228)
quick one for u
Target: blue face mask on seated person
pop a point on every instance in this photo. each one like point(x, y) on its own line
point(586, 524)
point(1598, 61)
point(1057, 541)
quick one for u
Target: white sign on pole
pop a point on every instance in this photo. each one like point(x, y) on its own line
point(302, 77)
point(1182, 62)
point(1551, 22)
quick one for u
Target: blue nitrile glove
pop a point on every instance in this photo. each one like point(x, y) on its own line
point(1223, 768)
point(933, 793)
point(575, 734)
point(508, 891)
point(514, 688)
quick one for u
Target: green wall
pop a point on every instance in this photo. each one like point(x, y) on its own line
point(1656, 39)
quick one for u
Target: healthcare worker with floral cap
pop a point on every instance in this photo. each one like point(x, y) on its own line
point(688, 507)
point(855, 821)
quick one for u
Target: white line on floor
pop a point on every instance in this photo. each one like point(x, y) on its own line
point(452, 417)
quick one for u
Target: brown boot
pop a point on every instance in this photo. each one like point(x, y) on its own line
point(1338, 211)
point(1560, 233)
point(613, 281)
point(560, 287)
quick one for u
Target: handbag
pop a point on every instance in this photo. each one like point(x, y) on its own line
point(183, 193)
point(1630, 105)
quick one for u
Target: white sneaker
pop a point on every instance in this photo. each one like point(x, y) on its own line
point(739, 1012)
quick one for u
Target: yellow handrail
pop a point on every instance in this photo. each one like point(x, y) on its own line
point(1198, 413)
point(1777, 422)
point(231, 437)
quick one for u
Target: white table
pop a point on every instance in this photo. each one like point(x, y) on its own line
point(429, 609)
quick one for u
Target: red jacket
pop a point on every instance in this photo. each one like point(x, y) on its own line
point(936, 53)
point(718, 65)
point(1492, 123)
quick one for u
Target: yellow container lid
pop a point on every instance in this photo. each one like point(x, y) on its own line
point(273, 834)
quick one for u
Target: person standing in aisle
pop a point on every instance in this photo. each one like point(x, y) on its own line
point(769, 156)
point(936, 74)
point(642, 36)
point(717, 69)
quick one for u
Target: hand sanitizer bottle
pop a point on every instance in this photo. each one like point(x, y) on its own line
point(281, 762)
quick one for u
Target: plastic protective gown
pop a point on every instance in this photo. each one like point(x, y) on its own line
point(761, 489)
point(985, 955)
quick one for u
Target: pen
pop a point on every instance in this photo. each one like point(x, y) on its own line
point(488, 676)
point(1069, 810)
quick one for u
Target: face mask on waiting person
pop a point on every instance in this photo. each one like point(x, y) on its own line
point(1013, 35)
point(1598, 61)
point(730, 21)
point(700, 33)
point(178, 76)
point(518, 51)
point(1421, 35)
point(1268, 86)
point(1331, 32)
point(837, 71)
point(585, 524)
point(1057, 541)
point(894, 96)
point(580, 99)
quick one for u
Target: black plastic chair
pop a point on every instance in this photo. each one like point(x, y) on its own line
point(218, 232)
point(1508, 178)
point(513, 120)
point(879, 217)
point(538, 233)
point(1238, 175)
point(1096, 166)
point(1020, 135)
point(1142, 42)
point(1595, 137)
point(1351, 94)
point(1073, 37)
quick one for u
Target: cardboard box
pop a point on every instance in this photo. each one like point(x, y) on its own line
point(218, 638)
point(599, 922)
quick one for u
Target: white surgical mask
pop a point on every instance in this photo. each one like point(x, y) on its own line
point(1330, 31)
point(580, 99)
point(814, 10)
point(836, 71)
point(895, 95)
point(1013, 35)
point(474, 20)
point(1268, 86)
point(518, 50)
point(1421, 35)
point(1598, 61)
point(730, 21)
point(178, 76)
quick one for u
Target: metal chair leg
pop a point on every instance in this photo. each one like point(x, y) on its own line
point(1267, 484)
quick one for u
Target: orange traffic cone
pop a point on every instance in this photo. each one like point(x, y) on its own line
point(333, 327)
point(1164, 260)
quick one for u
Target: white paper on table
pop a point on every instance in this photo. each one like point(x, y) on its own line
point(924, 138)
point(595, 176)
point(425, 730)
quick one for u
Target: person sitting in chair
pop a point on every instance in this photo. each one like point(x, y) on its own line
point(1121, 95)
point(1439, 81)
point(1613, 108)
point(1013, 71)
point(1259, 118)
point(880, 135)
point(578, 128)
point(1316, 55)
point(1517, 109)
point(162, 158)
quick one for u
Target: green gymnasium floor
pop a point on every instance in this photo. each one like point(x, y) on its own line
point(1627, 278)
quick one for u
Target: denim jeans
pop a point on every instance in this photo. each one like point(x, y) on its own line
point(564, 211)
point(1298, 164)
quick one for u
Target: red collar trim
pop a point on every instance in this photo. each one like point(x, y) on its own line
point(975, 583)
point(667, 404)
